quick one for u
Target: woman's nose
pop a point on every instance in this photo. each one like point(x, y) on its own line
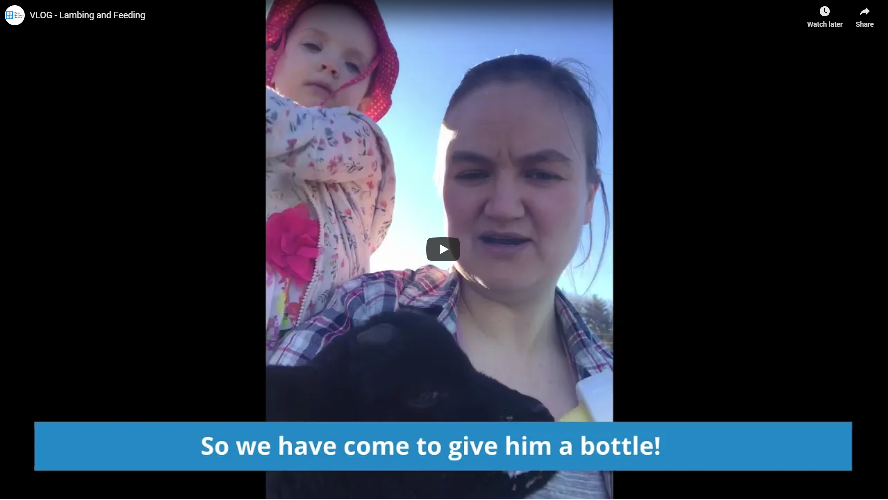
point(504, 201)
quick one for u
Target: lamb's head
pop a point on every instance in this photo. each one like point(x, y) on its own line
point(402, 367)
point(407, 367)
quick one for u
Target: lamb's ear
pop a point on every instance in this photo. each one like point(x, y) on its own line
point(376, 336)
point(277, 375)
point(281, 387)
point(283, 380)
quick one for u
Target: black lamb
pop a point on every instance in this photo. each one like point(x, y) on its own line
point(398, 367)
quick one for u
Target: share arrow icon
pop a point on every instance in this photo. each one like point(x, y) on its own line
point(864, 11)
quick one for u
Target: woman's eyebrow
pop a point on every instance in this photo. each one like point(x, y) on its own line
point(542, 156)
point(471, 157)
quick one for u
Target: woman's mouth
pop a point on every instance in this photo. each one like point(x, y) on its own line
point(503, 245)
point(504, 240)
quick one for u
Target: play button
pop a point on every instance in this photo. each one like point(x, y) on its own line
point(442, 249)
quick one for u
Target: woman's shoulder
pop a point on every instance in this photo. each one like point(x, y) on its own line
point(589, 352)
point(400, 280)
point(356, 301)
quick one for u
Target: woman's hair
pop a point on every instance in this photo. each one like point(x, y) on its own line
point(566, 85)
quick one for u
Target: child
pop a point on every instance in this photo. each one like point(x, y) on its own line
point(329, 174)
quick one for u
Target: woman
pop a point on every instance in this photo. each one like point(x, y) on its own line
point(519, 150)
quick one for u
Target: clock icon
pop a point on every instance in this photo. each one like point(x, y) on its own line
point(824, 11)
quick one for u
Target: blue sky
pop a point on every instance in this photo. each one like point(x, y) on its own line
point(436, 48)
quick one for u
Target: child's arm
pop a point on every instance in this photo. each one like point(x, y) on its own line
point(319, 144)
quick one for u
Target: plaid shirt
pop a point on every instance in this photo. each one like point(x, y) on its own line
point(428, 287)
point(359, 299)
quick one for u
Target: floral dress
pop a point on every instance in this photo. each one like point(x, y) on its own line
point(329, 186)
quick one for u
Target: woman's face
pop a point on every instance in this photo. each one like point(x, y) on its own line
point(515, 186)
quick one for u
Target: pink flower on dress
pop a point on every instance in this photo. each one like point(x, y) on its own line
point(291, 243)
point(293, 310)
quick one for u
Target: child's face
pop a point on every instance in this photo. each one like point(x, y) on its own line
point(329, 45)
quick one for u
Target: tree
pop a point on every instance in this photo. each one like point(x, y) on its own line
point(598, 315)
